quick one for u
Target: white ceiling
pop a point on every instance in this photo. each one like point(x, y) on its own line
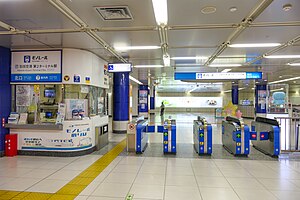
point(142, 30)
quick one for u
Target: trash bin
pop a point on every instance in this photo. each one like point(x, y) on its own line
point(11, 144)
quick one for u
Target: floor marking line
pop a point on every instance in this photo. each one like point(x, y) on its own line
point(74, 187)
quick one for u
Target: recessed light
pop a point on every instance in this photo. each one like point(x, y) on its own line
point(283, 56)
point(136, 48)
point(189, 58)
point(226, 70)
point(294, 64)
point(233, 9)
point(208, 10)
point(287, 7)
point(147, 66)
point(225, 65)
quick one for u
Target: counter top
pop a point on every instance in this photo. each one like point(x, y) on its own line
point(35, 126)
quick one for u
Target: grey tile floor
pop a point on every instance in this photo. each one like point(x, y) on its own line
point(153, 175)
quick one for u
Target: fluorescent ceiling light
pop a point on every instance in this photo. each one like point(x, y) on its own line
point(136, 48)
point(254, 45)
point(190, 58)
point(284, 80)
point(277, 89)
point(195, 88)
point(225, 65)
point(294, 64)
point(226, 70)
point(147, 66)
point(283, 56)
point(135, 80)
point(167, 60)
point(160, 11)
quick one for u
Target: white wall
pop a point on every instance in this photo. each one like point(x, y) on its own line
point(85, 64)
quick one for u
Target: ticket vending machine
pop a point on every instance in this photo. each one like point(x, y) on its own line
point(202, 132)
point(169, 137)
point(236, 136)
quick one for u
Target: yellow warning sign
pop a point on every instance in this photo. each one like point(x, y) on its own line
point(66, 78)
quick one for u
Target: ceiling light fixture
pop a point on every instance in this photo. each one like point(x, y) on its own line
point(136, 48)
point(233, 9)
point(160, 11)
point(195, 88)
point(285, 80)
point(287, 7)
point(135, 80)
point(225, 65)
point(294, 64)
point(148, 66)
point(283, 56)
point(167, 60)
point(208, 10)
point(250, 45)
point(190, 58)
point(226, 70)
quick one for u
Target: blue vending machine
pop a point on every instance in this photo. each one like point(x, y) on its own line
point(169, 137)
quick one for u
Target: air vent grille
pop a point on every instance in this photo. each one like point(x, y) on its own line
point(111, 13)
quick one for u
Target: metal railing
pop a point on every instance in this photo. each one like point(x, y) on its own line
point(289, 132)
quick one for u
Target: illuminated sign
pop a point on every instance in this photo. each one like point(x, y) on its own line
point(119, 67)
point(217, 76)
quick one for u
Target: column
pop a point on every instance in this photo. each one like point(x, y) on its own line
point(5, 94)
point(261, 99)
point(121, 102)
point(152, 97)
point(143, 100)
point(235, 94)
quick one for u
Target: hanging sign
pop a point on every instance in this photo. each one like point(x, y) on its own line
point(217, 76)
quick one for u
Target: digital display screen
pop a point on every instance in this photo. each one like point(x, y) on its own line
point(49, 93)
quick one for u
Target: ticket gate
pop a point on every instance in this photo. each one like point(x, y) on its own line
point(236, 136)
point(202, 132)
point(265, 136)
point(136, 136)
point(169, 136)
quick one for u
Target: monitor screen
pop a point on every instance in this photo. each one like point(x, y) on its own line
point(49, 93)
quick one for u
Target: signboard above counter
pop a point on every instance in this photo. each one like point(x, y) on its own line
point(217, 76)
point(36, 66)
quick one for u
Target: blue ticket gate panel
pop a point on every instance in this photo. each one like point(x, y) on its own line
point(169, 137)
point(265, 136)
point(235, 136)
point(202, 132)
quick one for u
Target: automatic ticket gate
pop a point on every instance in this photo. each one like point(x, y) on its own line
point(265, 136)
point(136, 136)
point(202, 132)
point(169, 136)
point(235, 136)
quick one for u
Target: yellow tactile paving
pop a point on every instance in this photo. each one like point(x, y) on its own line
point(71, 190)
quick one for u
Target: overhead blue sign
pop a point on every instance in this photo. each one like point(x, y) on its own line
point(217, 76)
point(119, 67)
point(35, 77)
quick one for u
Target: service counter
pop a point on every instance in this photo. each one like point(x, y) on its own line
point(72, 138)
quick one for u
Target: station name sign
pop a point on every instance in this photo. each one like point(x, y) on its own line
point(217, 76)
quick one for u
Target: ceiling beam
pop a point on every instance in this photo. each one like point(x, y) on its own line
point(255, 12)
point(276, 49)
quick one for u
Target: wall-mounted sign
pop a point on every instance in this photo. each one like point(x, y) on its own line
point(119, 67)
point(87, 79)
point(66, 78)
point(36, 66)
point(217, 76)
point(76, 79)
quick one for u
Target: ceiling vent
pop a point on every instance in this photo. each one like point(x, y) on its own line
point(111, 13)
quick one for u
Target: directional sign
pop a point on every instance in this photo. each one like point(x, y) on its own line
point(165, 134)
point(238, 135)
point(201, 135)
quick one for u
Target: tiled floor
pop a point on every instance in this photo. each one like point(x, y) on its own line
point(154, 176)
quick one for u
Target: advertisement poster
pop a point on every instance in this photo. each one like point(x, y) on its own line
point(262, 99)
point(36, 66)
point(190, 102)
point(76, 108)
point(23, 95)
point(143, 94)
point(76, 136)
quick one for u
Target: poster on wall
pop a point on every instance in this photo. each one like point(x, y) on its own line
point(23, 95)
point(36, 66)
point(262, 99)
point(76, 137)
point(76, 108)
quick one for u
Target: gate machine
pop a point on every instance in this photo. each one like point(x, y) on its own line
point(202, 136)
point(136, 135)
point(265, 136)
point(169, 136)
point(235, 136)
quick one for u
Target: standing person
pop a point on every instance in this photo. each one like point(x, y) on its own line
point(162, 112)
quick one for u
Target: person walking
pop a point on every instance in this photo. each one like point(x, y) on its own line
point(162, 112)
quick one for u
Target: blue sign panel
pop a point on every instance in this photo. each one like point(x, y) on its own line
point(35, 77)
point(76, 79)
point(253, 75)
